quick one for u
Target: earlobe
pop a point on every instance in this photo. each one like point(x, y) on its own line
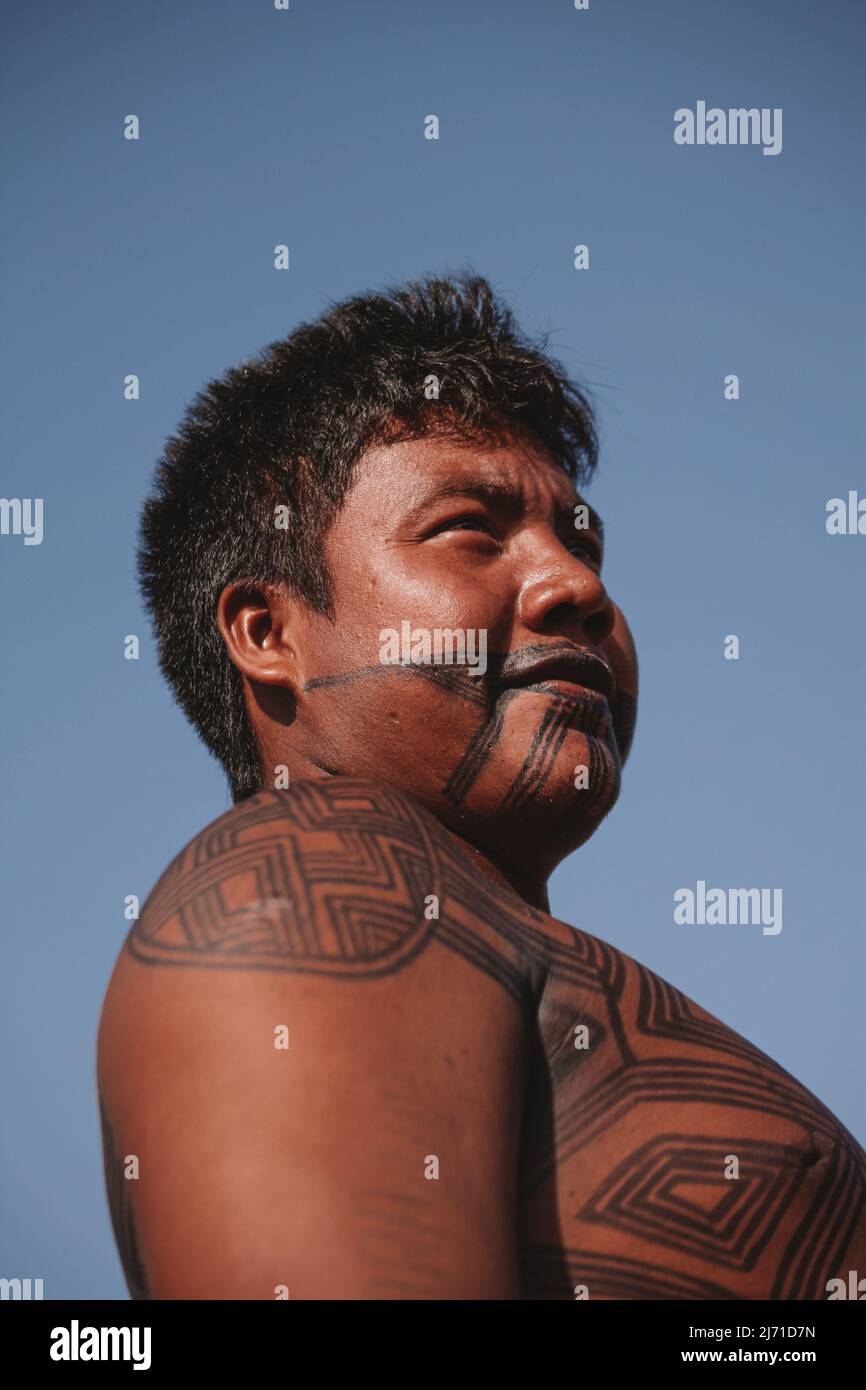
point(254, 621)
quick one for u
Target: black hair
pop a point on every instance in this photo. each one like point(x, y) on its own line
point(440, 355)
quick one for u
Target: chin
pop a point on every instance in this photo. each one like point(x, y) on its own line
point(543, 813)
point(567, 815)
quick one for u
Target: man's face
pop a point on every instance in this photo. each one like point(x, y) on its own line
point(478, 544)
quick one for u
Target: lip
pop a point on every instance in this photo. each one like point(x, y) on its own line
point(565, 672)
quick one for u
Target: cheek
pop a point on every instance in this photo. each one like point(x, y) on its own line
point(429, 596)
point(619, 649)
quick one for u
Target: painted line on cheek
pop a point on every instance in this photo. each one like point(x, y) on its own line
point(476, 754)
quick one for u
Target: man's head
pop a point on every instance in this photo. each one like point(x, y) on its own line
point(339, 523)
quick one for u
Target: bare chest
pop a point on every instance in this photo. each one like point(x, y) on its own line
point(663, 1156)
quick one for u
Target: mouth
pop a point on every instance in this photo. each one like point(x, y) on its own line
point(575, 674)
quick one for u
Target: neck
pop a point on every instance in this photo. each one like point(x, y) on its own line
point(529, 888)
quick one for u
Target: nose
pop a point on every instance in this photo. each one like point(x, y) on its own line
point(567, 600)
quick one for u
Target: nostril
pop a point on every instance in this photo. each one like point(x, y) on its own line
point(561, 618)
point(599, 626)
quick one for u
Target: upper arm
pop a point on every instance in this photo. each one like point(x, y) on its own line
point(375, 1155)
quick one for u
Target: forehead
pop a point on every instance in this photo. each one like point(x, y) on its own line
point(407, 474)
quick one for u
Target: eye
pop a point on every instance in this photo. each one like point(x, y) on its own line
point(472, 521)
point(588, 550)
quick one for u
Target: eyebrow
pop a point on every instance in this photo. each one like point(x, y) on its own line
point(504, 495)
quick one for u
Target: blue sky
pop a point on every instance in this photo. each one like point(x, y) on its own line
point(305, 127)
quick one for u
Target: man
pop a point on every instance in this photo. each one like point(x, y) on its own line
point(346, 1052)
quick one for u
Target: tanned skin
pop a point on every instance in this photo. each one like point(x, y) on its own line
point(418, 1039)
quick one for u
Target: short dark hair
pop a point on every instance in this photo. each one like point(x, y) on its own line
point(288, 427)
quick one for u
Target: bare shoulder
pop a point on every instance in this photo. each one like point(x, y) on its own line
point(313, 1000)
point(328, 882)
point(337, 878)
point(327, 877)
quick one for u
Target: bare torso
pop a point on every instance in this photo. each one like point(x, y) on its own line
point(648, 1151)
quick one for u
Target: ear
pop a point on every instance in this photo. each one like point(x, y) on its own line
point(619, 649)
point(259, 624)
